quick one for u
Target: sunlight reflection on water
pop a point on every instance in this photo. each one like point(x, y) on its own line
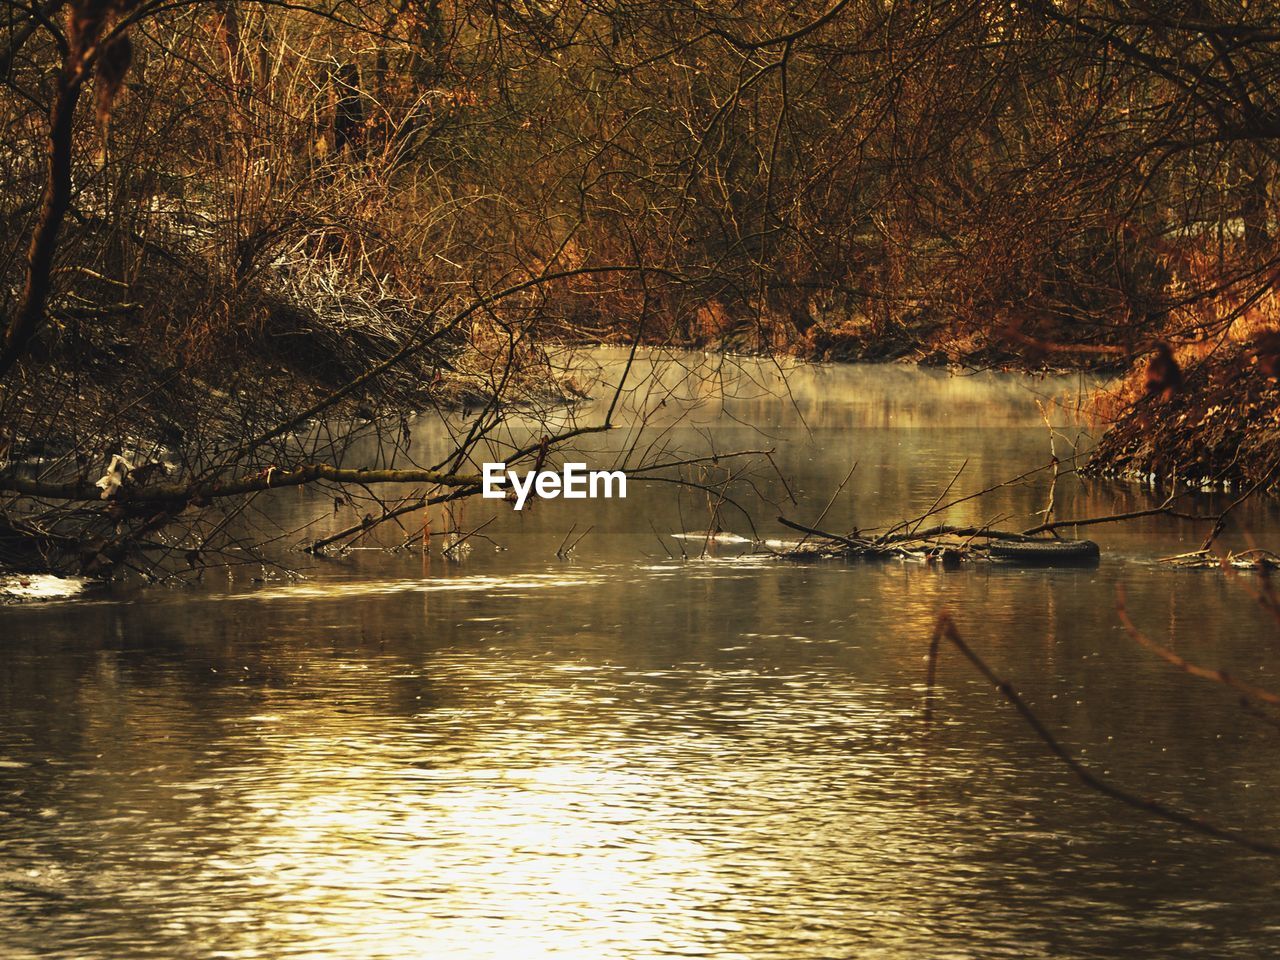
point(634, 756)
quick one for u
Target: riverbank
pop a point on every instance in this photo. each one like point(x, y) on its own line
point(306, 357)
point(161, 393)
point(1219, 429)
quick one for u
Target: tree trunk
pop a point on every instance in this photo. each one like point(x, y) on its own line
point(53, 209)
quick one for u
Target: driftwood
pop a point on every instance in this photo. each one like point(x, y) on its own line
point(1255, 559)
point(946, 543)
point(943, 543)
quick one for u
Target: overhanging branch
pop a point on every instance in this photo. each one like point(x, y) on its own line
point(270, 479)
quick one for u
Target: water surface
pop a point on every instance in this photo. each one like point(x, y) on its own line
point(631, 753)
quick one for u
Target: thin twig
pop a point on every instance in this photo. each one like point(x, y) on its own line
point(946, 629)
point(1205, 673)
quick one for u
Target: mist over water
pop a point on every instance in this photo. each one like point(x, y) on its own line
point(634, 753)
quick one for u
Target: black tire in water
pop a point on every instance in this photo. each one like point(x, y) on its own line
point(1047, 553)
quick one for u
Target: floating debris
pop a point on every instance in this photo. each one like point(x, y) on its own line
point(942, 545)
point(117, 472)
point(1254, 559)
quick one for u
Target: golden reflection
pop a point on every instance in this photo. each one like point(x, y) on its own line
point(627, 757)
point(533, 847)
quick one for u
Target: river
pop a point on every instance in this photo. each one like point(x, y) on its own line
point(633, 753)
